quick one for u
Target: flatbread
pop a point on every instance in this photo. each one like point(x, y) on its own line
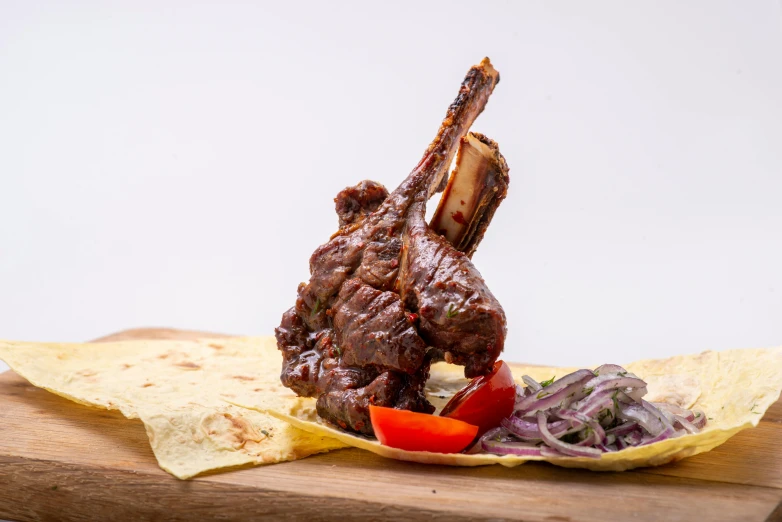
point(733, 388)
point(179, 390)
point(218, 403)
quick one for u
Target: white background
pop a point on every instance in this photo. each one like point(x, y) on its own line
point(174, 164)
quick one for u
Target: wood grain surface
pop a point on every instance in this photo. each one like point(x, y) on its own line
point(63, 461)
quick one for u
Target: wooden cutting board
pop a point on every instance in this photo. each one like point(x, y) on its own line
point(64, 461)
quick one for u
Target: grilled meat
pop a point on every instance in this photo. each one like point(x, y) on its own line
point(388, 294)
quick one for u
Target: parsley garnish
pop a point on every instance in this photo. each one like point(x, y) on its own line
point(338, 350)
point(317, 306)
point(622, 374)
point(452, 312)
point(265, 432)
point(616, 402)
point(752, 409)
point(548, 382)
point(543, 394)
point(589, 390)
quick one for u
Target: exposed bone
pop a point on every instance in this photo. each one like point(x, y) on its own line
point(475, 189)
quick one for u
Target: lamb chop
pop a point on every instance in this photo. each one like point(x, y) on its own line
point(388, 294)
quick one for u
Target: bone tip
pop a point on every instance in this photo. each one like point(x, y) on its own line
point(489, 68)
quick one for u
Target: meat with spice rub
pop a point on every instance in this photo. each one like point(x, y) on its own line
point(390, 293)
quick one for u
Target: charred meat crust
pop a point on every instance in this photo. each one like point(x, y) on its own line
point(380, 303)
point(354, 203)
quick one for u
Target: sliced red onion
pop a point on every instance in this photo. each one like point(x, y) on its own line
point(657, 413)
point(600, 434)
point(674, 410)
point(670, 417)
point(636, 393)
point(595, 403)
point(563, 447)
point(699, 420)
point(529, 431)
point(531, 383)
point(613, 382)
point(632, 439)
point(623, 429)
point(602, 410)
point(521, 428)
point(499, 434)
point(609, 368)
point(556, 392)
point(667, 433)
point(542, 401)
point(523, 449)
point(545, 451)
point(578, 419)
point(590, 439)
point(648, 421)
point(684, 423)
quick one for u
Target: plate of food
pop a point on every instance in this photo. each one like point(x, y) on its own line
point(394, 346)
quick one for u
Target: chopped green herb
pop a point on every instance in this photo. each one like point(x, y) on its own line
point(338, 350)
point(709, 418)
point(622, 374)
point(752, 409)
point(543, 394)
point(452, 312)
point(317, 306)
point(616, 402)
point(265, 432)
point(548, 382)
point(589, 390)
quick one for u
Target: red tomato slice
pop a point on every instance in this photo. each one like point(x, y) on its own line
point(413, 431)
point(486, 400)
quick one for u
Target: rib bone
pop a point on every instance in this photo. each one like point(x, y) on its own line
point(477, 186)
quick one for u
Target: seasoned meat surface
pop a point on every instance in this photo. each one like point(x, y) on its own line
point(354, 203)
point(388, 295)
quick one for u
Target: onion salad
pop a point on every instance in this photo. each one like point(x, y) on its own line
point(585, 414)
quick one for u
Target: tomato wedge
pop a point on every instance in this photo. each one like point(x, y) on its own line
point(413, 431)
point(486, 400)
